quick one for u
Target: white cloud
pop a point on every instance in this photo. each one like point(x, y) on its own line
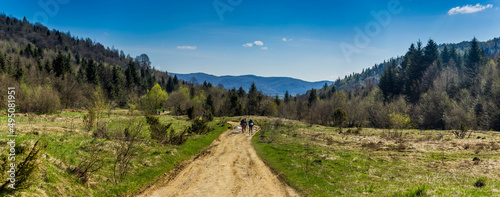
point(264, 48)
point(187, 47)
point(286, 39)
point(468, 9)
point(248, 45)
point(258, 43)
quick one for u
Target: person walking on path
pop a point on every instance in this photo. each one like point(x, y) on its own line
point(250, 126)
point(243, 125)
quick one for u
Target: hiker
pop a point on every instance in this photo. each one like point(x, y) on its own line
point(243, 125)
point(250, 126)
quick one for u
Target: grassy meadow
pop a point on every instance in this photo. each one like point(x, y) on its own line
point(319, 161)
point(67, 144)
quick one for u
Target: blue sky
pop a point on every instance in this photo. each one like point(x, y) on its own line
point(324, 39)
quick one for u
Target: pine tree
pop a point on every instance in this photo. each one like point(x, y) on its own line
point(131, 74)
point(19, 74)
point(162, 82)
point(313, 96)
point(387, 83)
point(445, 55)
point(241, 92)
point(472, 67)
point(431, 54)
point(253, 99)
point(209, 104)
point(235, 103)
point(170, 85)
point(455, 56)
point(61, 65)
point(116, 83)
point(474, 54)
point(91, 72)
point(77, 57)
point(277, 100)
point(176, 82)
point(47, 66)
point(414, 64)
point(287, 97)
point(253, 90)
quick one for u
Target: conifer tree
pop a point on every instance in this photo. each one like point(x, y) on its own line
point(91, 72)
point(287, 97)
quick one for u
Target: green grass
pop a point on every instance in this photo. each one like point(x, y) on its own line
point(344, 167)
point(65, 139)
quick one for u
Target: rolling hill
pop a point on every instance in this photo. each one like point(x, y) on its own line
point(491, 48)
point(268, 85)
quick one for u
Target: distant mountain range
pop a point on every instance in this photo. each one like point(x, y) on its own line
point(268, 85)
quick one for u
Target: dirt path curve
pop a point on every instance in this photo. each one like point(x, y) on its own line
point(230, 167)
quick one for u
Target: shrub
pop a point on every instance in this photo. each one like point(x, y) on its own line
point(163, 133)
point(462, 132)
point(127, 149)
point(40, 99)
point(480, 182)
point(208, 117)
point(399, 121)
point(101, 131)
point(339, 116)
point(198, 127)
point(92, 162)
point(158, 131)
point(89, 120)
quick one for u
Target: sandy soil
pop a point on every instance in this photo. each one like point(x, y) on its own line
point(230, 167)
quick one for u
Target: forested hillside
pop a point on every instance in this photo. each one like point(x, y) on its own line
point(428, 88)
point(54, 70)
point(490, 47)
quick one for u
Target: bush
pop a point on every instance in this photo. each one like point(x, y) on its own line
point(89, 120)
point(163, 133)
point(481, 182)
point(90, 163)
point(208, 117)
point(158, 131)
point(462, 132)
point(199, 127)
point(339, 116)
point(127, 149)
point(356, 131)
point(101, 131)
point(41, 99)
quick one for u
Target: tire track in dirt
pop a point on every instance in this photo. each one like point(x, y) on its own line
point(230, 167)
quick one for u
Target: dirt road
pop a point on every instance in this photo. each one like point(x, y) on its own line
point(230, 167)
